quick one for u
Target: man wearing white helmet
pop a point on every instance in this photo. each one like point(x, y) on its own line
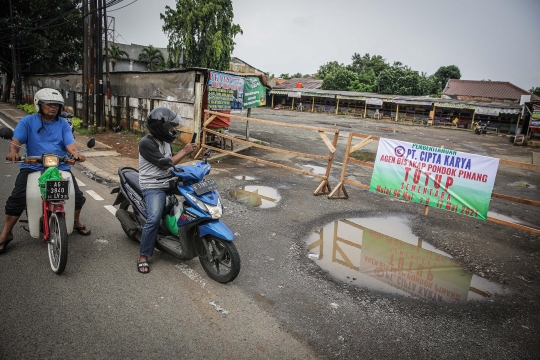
point(42, 132)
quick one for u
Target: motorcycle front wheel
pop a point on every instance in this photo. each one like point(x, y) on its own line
point(58, 242)
point(220, 259)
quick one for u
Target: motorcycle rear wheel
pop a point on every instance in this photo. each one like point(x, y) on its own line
point(126, 205)
point(220, 259)
point(58, 243)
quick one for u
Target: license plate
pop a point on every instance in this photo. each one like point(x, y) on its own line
point(204, 186)
point(57, 190)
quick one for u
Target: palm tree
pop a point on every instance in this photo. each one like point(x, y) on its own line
point(115, 53)
point(152, 56)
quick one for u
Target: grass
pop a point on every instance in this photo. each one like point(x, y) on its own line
point(363, 156)
point(260, 143)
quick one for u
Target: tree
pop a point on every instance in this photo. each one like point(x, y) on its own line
point(152, 56)
point(47, 32)
point(339, 78)
point(535, 91)
point(115, 54)
point(366, 62)
point(204, 29)
point(445, 73)
point(285, 76)
point(328, 68)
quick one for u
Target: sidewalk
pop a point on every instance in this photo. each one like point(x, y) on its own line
point(102, 162)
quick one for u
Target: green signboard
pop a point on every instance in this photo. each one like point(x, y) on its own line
point(254, 93)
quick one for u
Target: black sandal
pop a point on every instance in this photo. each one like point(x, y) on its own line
point(6, 242)
point(83, 230)
point(141, 265)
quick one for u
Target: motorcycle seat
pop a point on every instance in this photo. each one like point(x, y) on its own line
point(132, 178)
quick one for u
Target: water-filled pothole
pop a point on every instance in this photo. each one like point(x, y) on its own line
point(258, 196)
point(384, 255)
point(245, 177)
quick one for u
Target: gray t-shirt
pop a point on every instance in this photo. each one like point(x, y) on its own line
point(150, 151)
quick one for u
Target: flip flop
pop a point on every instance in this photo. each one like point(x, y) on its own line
point(83, 230)
point(141, 265)
point(6, 242)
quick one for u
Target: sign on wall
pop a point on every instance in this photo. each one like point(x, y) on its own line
point(225, 91)
point(254, 93)
point(446, 179)
point(536, 112)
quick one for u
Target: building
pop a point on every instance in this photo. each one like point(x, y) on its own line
point(240, 66)
point(305, 83)
point(487, 91)
point(132, 62)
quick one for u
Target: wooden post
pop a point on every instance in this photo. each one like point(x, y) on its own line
point(313, 104)
point(337, 106)
point(272, 101)
point(292, 107)
point(365, 109)
point(397, 111)
point(517, 125)
point(472, 121)
point(247, 124)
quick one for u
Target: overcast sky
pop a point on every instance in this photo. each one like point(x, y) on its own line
point(487, 39)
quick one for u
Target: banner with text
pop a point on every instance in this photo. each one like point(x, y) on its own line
point(225, 92)
point(446, 179)
point(536, 112)
point(254, 93)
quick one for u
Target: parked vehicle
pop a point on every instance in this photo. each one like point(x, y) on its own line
point(480, 128)
point(189, 229)
point(68, 116)
point(50, 213)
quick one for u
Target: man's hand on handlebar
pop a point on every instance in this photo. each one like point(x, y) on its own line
point(79, 157)
point(13, 156)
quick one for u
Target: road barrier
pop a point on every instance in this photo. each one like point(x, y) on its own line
point(339, 191)
point(323, 188)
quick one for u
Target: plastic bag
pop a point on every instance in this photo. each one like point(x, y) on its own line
point(51, 173)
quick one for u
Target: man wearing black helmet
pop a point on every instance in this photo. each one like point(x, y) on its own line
point(161, 124)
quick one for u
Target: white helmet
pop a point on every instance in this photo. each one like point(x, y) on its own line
point(48, 96)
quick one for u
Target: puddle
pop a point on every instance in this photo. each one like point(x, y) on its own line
point(244, 177)
point(503, 217)
point(523, 184)
point(384, 255)
point(258, 196)
point(319, 170)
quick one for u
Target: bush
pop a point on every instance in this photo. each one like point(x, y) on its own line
point(29, 108)
point(76, 122)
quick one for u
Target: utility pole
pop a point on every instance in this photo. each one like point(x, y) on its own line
point(16, 76)
point(99, 67)
point(86, 22)
point(106, 31)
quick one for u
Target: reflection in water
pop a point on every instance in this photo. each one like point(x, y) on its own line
point(258, 196)
point(244, 177)
point(319, 170)
point(395, 261)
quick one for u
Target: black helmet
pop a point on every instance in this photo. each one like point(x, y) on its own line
point(162, 122)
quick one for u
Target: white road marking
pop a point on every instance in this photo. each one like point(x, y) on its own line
point(79, 182)
point(6, 124)
point(93, 194)
point(111, 209)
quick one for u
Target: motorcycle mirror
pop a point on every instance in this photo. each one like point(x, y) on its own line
point(207, 152)
point(91, 143)
point(6, 133)
point(165, 162)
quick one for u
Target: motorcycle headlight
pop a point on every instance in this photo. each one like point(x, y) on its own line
point(214, 211)
point(50, 160)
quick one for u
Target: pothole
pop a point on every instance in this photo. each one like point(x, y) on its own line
point(258, 196)
point(384, 255)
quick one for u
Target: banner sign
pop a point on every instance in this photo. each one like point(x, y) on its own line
point(319, 95)
point(294, 94)
point(254, 93)
point(359, 98)
point(374, 101)
point(487, 111)
point(225, 91)
point(412, 269)
point(454, 105)
point(446, 179)
point(411, 102)
point(536, 112)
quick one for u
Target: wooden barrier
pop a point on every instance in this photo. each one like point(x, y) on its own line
point(339, 191)
point(324, 187)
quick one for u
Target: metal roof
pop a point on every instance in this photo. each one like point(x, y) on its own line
point(486, 89)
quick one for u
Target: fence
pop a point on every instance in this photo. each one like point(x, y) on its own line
point(324, 187)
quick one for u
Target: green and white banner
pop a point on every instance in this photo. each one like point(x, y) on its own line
point(254, 93)
point(446, 179)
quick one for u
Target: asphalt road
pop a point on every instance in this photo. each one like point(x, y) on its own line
point(282, 305)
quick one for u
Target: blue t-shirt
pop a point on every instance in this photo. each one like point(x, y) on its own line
point(53, 138)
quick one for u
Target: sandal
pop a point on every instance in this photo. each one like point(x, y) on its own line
point(83, 230)
point(141, 265)
point(5, 243)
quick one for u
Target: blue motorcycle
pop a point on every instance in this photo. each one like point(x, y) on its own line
point(188, 229)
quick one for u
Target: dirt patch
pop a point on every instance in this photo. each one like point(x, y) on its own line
point(124, 142)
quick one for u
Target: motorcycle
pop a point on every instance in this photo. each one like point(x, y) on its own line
point(50, 214)
point(188, 229)
point(68, 116)
point(480, 128)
